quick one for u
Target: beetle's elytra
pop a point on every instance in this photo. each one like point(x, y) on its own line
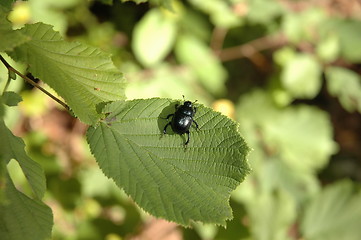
point(182, 119)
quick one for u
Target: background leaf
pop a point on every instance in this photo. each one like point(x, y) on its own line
point(154, 36)
point(7, 3)
point(302, 76)
point(220, 12)
point(9, 38)
point(308, 152)
point(11, 98)
point(346, 85)
point(349, 31)
point(163, 177)
point(334, 214)
point(278, 212)
point(83, 75)
point(23, 218)
point(12, 147)
point(193, 53)
point(308, 127)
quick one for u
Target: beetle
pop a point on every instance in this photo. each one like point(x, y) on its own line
point(182, 119)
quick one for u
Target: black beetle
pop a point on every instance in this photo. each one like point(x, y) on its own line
point(182, 119)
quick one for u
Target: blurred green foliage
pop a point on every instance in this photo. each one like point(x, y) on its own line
point(290, 70)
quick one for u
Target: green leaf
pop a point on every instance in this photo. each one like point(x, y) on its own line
point(136, 1)
point(108, 2)
point(221, 13)
point(346, 85)
point(11, 98)
point(349, 32)
point(2, 112)
point(303, 137)
point(177, 81)
point(12, 75)
point(83, 75)
point(302, 76)
point(2, 172)
point(328, 47)
point(334, 214)
point(300, 136)
point(304, 25)
point(161, 175)
point(55, 13)
point(153, 37)
point(194, 53)
point(271, 213)
point(7, 3)
point(264, 11)
point(9, 38)
point(23, 218)
point(12, 147)
point(167, 4)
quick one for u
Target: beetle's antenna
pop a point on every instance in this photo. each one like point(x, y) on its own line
point(195, 101)
point(183, 98)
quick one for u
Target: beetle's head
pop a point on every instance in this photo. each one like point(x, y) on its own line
point(188, 104)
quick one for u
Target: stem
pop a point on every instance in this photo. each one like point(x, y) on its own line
point(27, 79)
point(253, 47)
point(217, 39)
point(7, 84)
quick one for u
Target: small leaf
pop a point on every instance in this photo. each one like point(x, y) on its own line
point(3, 170)
point(83, 75)
point(23, 218)
point(328, 48)
point(161, 175)
point(12, 75)
point(2, 109)
point(167, 4)
point(203, 62)
point(136, 1)
point(9, 38)
point(346, 85)
point(153, 37)
point(12, 147)
point(349, 33)
point(306, 151)
point(309, 128)
point(221, 13)
point(264, 11)
point(334, 214)
point(302, 76)
point(11, 98)
point(7, 3)
point(107, 2)
point(304, 25)
point(271, 213)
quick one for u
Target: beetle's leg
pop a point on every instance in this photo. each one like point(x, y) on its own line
point(187, 132)
point(165, 128)
point(194, 110)
point(196, 124)
point(168, 116)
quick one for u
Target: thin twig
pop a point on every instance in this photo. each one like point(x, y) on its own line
point(10, 68)
point(217, 39)
point(251, 48)
point(7, 83)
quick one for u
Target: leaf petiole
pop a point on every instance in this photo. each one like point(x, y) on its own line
point(27, 79)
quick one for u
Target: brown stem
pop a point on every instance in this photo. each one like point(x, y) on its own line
point(217, 39)
point(10, 68)
point(251, 48)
